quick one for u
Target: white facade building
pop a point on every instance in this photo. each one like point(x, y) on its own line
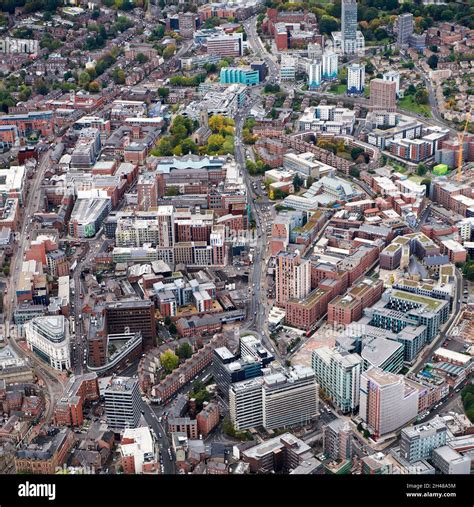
point(288, 67)
point(339, 375)
point(314, 74)
point(349, 46)
point(327, 118)
point(142, 448)
point(276, 400)
point(48, 337)
point(329, 65)
point(355, 78)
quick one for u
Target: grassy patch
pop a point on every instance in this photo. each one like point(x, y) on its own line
point(338, 89)
point(409, 103)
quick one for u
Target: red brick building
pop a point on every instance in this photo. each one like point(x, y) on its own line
point(349, 308)
point(69, 409)
point(51, 453)
point(208, 418)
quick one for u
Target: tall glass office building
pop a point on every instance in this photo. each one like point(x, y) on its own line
point(349, 19)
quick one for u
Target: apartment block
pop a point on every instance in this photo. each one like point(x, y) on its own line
point(383, 95)
point(419, 441)
point(293, 277)
point(349, 308)
point(338, 374)
point(387, 402)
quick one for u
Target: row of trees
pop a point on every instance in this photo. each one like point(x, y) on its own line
point(255, 168)
point(29, 5)
point(467, 397)
point(247, 133)
point(468, 269)
point(188, 81)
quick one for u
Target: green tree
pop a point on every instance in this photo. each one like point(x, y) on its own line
point(354, 172)
point(297, 182)
point(141, 58)
point(25, 93)
point(172, 329)
point(169, 51)
point(215, 142)
point(433, 61)
point(169, 360)
point(163, 92)
point(184, 351)
point(328, 24)
point(118, 76)
point(163, 148)
point(170, 192)
point(421, 169)
point(189, 146)
point(167, 320)
point(84, 79)
point(421, 96)
point(94, 87)
point(355, 152)
point(228, 427)
point(41, 87)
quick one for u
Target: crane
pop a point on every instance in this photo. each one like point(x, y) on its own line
point(461, 136)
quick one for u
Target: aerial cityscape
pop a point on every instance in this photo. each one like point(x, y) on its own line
point(236, 237)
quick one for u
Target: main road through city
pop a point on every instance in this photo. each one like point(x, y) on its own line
point(32, 202)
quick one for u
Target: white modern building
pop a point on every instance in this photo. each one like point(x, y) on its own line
point(289, 398)
point(48, 337)
point(338, 374)
point(279, 399)
point(288, 68)
point(314, 74)
point(245, 403)
point(348, 46)
point(329, 65)
point(122, 403)
point(418, 442)
point(139, 448)
point(355, 78)
point(327, 118)
point(449, 462)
